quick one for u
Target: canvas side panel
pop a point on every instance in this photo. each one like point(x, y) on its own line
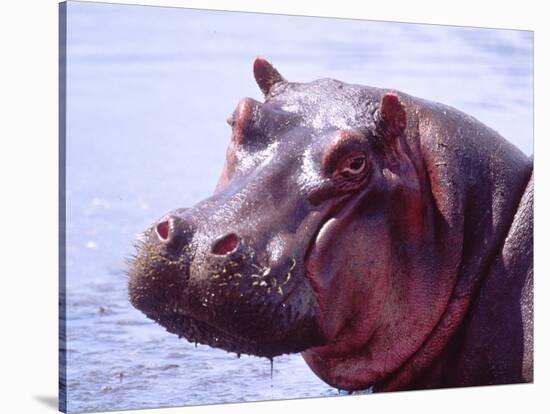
point(62, 205)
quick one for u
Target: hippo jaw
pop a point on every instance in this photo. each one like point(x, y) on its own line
point(228, 298)
point(232, 297)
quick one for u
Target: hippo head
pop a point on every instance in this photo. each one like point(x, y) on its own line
point(309, 242)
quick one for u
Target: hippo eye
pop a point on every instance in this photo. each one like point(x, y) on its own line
point(353, 165)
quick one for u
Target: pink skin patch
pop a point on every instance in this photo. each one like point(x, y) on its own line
point(226, 245)
point(163, 230)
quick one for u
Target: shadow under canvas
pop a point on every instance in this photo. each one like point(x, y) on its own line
point(50, 401)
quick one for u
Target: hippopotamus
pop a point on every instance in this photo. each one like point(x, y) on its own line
point(386, 238)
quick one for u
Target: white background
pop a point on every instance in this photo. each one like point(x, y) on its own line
point(28, 215)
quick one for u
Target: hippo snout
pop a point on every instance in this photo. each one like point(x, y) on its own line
point(175, 231)
point(218, 284)
point(174, 236)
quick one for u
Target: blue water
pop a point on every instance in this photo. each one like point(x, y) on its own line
point(148, 93)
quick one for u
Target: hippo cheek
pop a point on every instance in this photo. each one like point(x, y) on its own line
point(347, 265)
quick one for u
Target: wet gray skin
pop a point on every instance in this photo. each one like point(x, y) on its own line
point(356, 225)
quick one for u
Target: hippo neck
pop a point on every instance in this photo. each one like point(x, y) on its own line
point(485, 177)
point(477, 180)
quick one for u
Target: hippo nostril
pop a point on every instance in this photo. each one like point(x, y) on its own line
point(226, 244)
point(163, 230)
point(174, 232)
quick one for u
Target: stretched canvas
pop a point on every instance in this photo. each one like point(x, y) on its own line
point(261, 207)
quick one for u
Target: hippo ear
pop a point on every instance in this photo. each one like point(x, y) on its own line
point(266, 75)
point(392, 119)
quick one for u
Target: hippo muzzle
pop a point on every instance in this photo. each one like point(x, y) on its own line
point(209, 275)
